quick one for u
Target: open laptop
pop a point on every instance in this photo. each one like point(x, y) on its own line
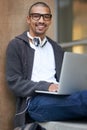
point(73, 75)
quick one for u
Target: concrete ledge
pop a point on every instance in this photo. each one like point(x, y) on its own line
point(65, 125)
point(61, 126)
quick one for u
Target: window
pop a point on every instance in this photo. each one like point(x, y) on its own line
point(72, 22)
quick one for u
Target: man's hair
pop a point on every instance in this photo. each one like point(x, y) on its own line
point(37, 4)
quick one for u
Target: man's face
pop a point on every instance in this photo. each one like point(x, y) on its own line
point(39, 20)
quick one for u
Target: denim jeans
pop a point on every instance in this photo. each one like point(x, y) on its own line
point(44, 107)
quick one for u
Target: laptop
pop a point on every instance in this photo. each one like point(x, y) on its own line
point(73, 75)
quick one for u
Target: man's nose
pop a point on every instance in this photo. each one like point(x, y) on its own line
point(41, 19)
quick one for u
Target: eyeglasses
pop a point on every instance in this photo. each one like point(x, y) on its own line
point(37, 16)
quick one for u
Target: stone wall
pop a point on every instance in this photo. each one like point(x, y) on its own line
point(12, 22)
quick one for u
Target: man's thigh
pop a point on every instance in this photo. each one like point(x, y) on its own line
point(45, 107)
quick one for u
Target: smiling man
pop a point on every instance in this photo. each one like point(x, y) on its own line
point(39, 20)
point(34, 63)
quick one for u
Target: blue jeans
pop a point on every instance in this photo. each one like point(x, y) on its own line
point(45, 107)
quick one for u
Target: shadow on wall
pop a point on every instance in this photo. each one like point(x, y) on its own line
point(7, 100)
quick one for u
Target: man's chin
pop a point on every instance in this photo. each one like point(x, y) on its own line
point(40, 33)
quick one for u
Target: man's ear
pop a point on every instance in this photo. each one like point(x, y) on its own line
point(28, 19)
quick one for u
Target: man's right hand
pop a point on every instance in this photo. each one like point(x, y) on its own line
point(53, 88)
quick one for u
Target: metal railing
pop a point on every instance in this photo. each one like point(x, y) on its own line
point(73, 43)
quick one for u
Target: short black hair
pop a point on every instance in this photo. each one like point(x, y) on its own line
point(39, 3)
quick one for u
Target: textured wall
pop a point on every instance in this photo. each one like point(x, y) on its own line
point(12, 22)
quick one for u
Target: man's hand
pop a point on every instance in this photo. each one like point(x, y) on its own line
point(53, 88)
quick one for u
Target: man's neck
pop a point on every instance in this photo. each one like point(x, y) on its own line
point(36, 35)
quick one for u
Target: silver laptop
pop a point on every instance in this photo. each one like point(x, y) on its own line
point(73, 75)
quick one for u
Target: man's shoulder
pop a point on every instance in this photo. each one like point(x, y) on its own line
point(54, 43)
point(22, 36)
point(19, 39)
point(51, 40)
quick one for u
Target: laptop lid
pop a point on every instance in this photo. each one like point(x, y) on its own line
point(73, 75)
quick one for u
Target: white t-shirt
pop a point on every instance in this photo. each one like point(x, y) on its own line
point(44, 63)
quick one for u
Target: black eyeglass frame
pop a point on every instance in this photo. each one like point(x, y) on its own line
point(41, 15)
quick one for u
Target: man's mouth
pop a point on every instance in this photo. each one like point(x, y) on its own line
point(41, 26)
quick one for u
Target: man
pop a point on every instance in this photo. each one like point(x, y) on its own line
point(34, 63)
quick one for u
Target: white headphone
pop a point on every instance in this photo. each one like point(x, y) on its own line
point(37, 40)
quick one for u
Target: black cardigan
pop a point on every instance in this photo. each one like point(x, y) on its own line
point(19, 63)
